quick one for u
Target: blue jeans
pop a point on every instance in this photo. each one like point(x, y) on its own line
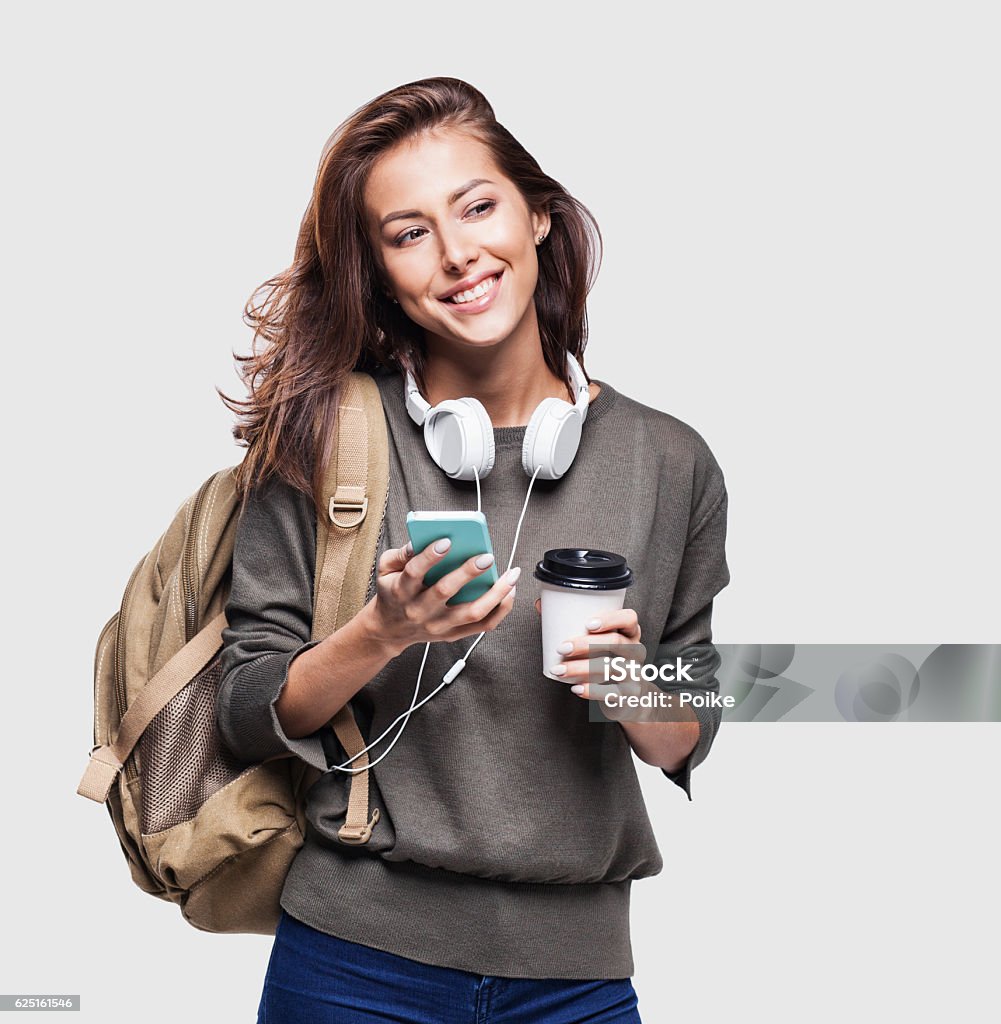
point(315, 978)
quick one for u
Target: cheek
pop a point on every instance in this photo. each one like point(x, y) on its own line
point(513, 246)
point(512, 238)
point(408, 277)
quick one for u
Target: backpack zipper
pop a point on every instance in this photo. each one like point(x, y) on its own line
point(97, 657)
point(130, 770)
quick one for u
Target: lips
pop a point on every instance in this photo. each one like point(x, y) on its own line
point(481, 302)
point(469, 284)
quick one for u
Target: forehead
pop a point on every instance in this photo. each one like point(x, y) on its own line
point(419, 173)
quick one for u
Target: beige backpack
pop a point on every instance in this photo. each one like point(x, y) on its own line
point(198, 827)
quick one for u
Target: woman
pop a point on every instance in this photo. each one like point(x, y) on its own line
point(496, 883)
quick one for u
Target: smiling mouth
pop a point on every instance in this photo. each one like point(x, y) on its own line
point(475, 296)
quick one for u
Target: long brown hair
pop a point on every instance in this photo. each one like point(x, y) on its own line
point(328, 314)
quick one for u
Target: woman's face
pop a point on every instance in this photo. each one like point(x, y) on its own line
point(456, 239)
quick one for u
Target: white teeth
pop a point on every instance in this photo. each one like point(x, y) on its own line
point(474, 293)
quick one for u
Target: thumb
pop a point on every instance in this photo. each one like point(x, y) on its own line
point(394, 559)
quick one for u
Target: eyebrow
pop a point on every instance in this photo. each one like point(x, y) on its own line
point(453, 198)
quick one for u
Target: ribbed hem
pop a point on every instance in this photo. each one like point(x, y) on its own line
point(487, 927)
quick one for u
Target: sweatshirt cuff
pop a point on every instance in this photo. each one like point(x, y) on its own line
point(309, 748)
point(683, 776)
point(257, 734)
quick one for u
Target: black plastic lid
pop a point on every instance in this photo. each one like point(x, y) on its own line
point(584, 569)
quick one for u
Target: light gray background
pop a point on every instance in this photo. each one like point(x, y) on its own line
point(801, 216)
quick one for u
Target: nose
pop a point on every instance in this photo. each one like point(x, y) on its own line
point(458, 249)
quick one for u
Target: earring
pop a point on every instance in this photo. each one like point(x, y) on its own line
point(542, 238)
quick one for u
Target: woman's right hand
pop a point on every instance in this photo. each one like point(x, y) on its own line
point(405, 612)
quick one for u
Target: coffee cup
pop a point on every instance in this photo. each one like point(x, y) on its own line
point(577, 585)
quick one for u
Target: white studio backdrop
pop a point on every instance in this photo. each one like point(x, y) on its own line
point(800, 211)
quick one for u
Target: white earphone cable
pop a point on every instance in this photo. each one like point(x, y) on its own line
point(453, 671)
point(514, 547)
point(406, 714)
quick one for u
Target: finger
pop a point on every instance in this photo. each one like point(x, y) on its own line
point(451, 583)
point(573, 670)
point(597, 692)
point(570, 671)
point(394, 559)
point(592, 646)
point(482, 607)
point(538, 605)
point(621, 707)
point(411, 581)
point(491, 621)
point(591, 690)
point(624, 621)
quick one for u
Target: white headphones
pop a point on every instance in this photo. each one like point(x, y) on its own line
point(460, 437)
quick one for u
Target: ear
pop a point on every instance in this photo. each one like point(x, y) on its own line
point(541, 224)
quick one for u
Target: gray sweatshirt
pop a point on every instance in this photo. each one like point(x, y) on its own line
point(512, 827)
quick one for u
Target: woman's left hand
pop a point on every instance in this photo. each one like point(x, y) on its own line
point(609, 630)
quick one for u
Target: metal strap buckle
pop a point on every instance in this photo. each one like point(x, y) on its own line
point(351, 500)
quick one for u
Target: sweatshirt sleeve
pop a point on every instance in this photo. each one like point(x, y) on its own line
point(269, 617)
point(703, 574)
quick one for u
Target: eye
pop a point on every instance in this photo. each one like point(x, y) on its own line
point(407, 236)
point(483, 206)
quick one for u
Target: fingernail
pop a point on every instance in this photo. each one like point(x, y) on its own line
point(579, 688)
point(566, 647)
point(441, 546)
point(594, 624)
point(408, 549)
point(514, 590)
point(559, 670)
point(484, 561)
point(511, 576)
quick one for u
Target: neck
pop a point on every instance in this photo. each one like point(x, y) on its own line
point(510, 378)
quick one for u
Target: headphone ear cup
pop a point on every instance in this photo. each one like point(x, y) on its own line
point(486, 444)
point(459, 436)
point(552, 439)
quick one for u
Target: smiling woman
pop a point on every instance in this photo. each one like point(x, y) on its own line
point(507, 828)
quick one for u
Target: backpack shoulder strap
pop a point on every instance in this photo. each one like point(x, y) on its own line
point(106, 761)
point(356, 484)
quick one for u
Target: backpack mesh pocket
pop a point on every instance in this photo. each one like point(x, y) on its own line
point(182, 757)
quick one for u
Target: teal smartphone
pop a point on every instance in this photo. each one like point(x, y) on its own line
point(469, 535)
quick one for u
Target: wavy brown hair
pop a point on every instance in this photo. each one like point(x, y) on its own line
point(328, 313)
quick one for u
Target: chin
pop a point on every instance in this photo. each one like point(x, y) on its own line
point(484, 337)
point(480, 342)
point(488, 329)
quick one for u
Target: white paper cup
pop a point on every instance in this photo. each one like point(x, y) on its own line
point(576, 585)
point(565, 614)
